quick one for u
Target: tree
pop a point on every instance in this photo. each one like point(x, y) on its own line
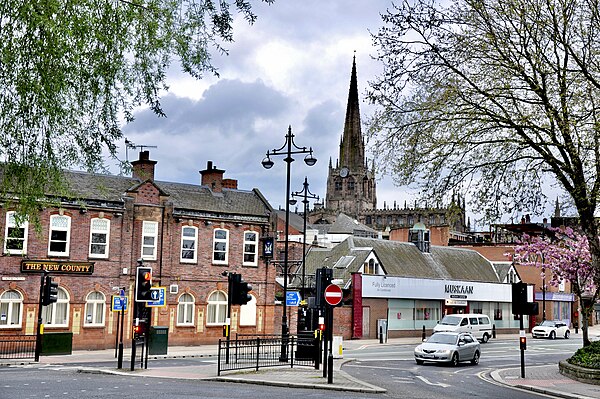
point(72, 70)
point(492, 98)
point(566, 258)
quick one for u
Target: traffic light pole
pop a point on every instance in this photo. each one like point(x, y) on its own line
point(38, 335)
point(522, 332)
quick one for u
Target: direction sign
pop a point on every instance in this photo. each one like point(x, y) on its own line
point(292, 298)
point(118, 303)
point(333, 294)
point(158, 295)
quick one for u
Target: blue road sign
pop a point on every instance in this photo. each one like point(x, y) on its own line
point(292, 298)
point(118, 303)
point(158, 295)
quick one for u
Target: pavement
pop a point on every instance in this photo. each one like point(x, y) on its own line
point(543, 379)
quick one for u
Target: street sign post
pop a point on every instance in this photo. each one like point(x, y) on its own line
point(333, 295)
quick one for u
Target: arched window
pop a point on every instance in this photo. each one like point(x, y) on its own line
point(11, 307)
point(217, 308)
point(15, 235)
point(248, 313)
point(185, 310)
point(57, 314)
point(99, 237)
point(95, 303)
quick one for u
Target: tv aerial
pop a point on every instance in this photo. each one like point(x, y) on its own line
point(130, 144)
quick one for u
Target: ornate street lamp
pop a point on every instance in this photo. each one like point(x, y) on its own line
point(288, 149)
point(305, 194)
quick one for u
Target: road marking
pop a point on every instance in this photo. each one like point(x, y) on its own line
point(437, 384)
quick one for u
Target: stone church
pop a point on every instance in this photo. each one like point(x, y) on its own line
point(352, 190)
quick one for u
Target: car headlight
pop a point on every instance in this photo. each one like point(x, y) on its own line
point(418, 349)
point(443, 351)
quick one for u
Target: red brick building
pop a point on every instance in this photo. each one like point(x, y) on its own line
point(189, 234)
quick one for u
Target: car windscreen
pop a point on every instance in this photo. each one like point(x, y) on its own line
point(451, 320)
point(547, 323)
point(442, 339)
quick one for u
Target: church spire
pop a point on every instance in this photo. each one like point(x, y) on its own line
point(352, 149)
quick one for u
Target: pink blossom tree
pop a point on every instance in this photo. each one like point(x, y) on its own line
point(564, 258)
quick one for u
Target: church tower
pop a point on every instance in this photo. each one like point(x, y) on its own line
point(350, 184)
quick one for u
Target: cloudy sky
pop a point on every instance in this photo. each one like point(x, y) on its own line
point(292, 67)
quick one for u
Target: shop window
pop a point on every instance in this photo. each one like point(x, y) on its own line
point(427, 310)
point(185, 310)
point(220, 246)
point(149, 240)
point(189, 243)
point(217, 308)
point(248, 313)
point(60, 234)
point(15, 235)
point(497, 311)
point(11, 309)
point(95, 304)
point(57, 314)
point(99, 237)
point(250, 248)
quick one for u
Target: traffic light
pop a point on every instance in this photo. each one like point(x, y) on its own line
point(50, 292)
point(239, 290)
point(523, 343)
point(519, 298)
point(323, 278)
point(143, 284)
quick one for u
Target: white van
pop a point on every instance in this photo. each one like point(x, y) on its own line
point(477, 324)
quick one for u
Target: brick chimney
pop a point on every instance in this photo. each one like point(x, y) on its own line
point(212, 177)
point(143, 168)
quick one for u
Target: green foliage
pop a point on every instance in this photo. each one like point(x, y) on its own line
point(72, 70)
point(588, 356)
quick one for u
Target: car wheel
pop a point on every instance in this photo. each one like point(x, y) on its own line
point(419, 361)
point(552, 335)
point(475, 359)
point(485, 338)
point(454, 361)
point(567, 334)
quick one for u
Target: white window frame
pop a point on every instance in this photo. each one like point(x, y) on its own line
point(186, 308)
point(94, 230)
point(149, 231)
point(49, 313)
point(216, 308)
point(220, 241)
point(248, 312)
point(59, 229)
point(189, 239)
point(11, 223)
point(254, 253)
point(11, 302)
point(98, 306)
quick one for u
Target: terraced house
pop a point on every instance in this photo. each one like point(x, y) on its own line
point(190, 234)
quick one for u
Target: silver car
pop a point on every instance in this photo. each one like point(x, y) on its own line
point(449, 347)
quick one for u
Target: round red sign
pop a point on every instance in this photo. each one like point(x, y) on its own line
point(333, 294)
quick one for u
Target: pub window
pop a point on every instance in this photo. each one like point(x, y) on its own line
point(95, 303)
point(189, 243)
point(99, 237)
point(15, 235)
point(149, 240)
point(185, 310)
point(217, 308)
point(57, 314)
point(11, 306)
point(60, 234)
point(248, 313)
point(250, 248)
point(220, 246)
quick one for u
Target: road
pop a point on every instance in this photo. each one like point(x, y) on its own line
point(388, 366)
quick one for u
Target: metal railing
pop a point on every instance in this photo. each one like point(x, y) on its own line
point(17, 347)
point(259, 352)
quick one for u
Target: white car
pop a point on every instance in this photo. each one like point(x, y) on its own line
point(551, 329)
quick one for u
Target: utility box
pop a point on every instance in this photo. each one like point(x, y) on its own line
point(337, 347)
point(158, 340)
point(382, 330)
point(58, 343)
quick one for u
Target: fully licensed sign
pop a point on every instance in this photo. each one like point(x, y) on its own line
point(56, 267)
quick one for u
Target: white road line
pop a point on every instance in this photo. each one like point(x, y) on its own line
point(426, 381)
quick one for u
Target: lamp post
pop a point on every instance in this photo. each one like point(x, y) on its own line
point(288, 149)
point(305, 194)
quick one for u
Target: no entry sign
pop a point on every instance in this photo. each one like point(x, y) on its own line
point(333, 294)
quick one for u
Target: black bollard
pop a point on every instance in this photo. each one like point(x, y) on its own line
point(423, 335)
point(381, 334)
point(330, 368)
point(493, 331)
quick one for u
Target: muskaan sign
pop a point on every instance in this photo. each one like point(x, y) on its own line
point(38, 266)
